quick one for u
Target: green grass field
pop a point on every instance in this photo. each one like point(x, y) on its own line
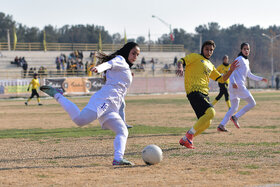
point(41, 146)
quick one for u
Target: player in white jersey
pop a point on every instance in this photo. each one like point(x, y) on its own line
point(104, 105)
point(238, 90)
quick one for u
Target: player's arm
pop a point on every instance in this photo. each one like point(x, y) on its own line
point(216, 76)
point(255, 77)
point(183, 61)
point(102, 67)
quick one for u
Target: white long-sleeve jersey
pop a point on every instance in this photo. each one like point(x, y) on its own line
point(240, 74)
point(111, 95)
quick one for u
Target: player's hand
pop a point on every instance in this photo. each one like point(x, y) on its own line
point(234, 86)
point(180, 72)
point(264, 80)
point(180, 69)
point(94, 69)
point(234, 65)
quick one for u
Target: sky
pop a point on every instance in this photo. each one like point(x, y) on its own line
point(135, 16)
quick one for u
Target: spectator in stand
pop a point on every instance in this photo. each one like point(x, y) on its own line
point(175, 61)
point(16, 61)
point(91, 55)
point(57, 62)
point(153, 66)
point(62, 61)
point(80, 55)
point(143, 62)
point(86, 68)
point(76, 54)
point(277, 82)
point(25, 68)
point(42, 71)
point(30, 72)
point(90, 67)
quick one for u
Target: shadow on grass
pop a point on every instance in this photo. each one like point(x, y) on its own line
point(70, 157)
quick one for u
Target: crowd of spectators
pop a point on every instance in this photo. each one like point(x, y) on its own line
point(21, 62)
point(74, 65)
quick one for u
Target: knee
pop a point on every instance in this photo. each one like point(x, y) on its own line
point(253, 104)
point(123, 131)
point(210, 112)
point(80, 121)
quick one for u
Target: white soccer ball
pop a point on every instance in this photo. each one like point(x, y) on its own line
point(152, 154)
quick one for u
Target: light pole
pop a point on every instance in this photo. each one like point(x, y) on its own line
point(167, 24)
point(271, 38)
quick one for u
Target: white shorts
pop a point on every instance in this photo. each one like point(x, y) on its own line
point(105, 101)
point(241, 92)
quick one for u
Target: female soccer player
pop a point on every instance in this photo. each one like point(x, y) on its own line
point(198, 70)
point(35, 84)
point(238, 90)
point(104, 105)
point(223, 69)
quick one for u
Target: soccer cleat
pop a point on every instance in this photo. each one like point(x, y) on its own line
point(122, 162)
point(26, 103)
point(128, 126)
point(234, 119)
point(187, 141)
point(50, 90)
point(222, 128)
point(40, 104)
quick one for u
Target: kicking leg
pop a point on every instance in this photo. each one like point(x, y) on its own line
point(81, 118)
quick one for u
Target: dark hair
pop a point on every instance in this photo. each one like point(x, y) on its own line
point(243, 44)
point(35, 74)
point(225, 56)
point(208, 42)
point(124, 52)
point(241, 47)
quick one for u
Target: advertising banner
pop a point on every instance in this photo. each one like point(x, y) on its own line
point(14, 87)
point(76, 85)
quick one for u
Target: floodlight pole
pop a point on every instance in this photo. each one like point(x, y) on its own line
point(165, 23)
point(271, 38)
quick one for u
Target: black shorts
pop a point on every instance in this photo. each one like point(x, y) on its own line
point(199, 102)
point(34, 92)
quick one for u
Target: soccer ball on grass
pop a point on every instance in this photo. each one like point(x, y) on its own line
point(152, 154)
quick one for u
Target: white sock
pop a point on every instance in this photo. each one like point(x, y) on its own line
point(192, 131)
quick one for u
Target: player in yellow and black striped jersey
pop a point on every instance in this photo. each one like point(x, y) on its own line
point(198, 71)
point(223, 69)
point(35, 84)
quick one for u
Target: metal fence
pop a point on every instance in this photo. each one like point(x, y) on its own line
point(37, 46)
